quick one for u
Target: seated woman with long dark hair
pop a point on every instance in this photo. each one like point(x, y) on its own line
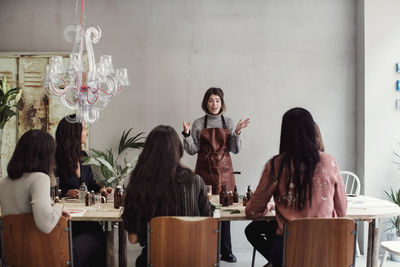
point(160, 186)
point(89, 238)
point(26, 189)
point(304, 182)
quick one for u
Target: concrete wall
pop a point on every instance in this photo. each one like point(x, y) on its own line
point(268, 56)
point(382, 128)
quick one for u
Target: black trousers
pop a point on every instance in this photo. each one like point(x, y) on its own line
point(262, 235)
point(89, 244)
point(141, 260)
point(226, 245)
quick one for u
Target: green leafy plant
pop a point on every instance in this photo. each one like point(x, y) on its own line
point(9, 98)
point(394, 196)
point(111, 171)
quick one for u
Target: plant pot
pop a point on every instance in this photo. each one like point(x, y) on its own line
point(393, 237)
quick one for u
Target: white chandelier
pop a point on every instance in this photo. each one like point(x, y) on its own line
point(84, 92)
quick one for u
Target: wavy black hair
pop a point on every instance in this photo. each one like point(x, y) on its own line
point(298, 155)
point(151, 190)
point(34, 153)
point(69, 147)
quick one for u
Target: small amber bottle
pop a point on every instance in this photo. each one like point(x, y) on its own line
point(117, 197)
point(249, 193)
point(244, 200)
point(235, 195)
point(223, 195)
point(88, 199)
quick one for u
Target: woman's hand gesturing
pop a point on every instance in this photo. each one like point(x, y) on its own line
point(241, 124)
point(186, 127)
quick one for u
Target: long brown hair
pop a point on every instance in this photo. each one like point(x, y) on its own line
point(69, 147)
point(150, 191)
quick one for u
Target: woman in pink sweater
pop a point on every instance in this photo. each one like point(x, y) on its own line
point(304, 182)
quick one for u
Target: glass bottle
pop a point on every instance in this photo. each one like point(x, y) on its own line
point(92, 195)
point(244, 200)
point(230, 198)
point(222, 195)
point(235, 195)
point(82, 192)
point(118, 197)
point(249, 193)
point(88, 199)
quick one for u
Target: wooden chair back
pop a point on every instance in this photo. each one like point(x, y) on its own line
point(316, 242)
point(25, 245)
point(183, 241)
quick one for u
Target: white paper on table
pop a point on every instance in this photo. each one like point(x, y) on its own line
point(77, 212)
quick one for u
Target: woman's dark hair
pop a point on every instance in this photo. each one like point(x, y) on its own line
point(151, 190)
point(34, 153)
point(213, 91)
point(298, 155)
point(69, 147)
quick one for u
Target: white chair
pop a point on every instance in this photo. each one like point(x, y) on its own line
point(351, 183)
point(389, 246)
point(352, 186)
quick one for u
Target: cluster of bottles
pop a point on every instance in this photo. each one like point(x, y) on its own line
point(89, 198)
point(228, 198)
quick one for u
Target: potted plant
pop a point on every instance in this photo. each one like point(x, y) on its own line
point(394, 196)
point(9, 98)
point(107, 168)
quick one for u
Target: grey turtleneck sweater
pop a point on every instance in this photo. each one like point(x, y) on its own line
point(192, 142)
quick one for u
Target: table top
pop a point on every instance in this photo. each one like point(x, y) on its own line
point(97, 212)
point(360, 207)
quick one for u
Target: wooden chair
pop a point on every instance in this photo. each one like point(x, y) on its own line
point(25, 245)
point(316, 242)
point(183, 241)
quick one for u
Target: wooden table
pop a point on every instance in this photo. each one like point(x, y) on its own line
point(361, 208)
point(108, 216)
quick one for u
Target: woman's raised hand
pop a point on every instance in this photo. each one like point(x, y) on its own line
point(241, 124)
point(186, 127)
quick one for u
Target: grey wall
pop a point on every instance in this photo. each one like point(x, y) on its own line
point(268, 56)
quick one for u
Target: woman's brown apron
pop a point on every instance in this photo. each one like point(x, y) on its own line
point(214, 163)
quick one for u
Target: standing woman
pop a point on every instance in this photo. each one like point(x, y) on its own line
point(89, 238)
point(212, 137)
